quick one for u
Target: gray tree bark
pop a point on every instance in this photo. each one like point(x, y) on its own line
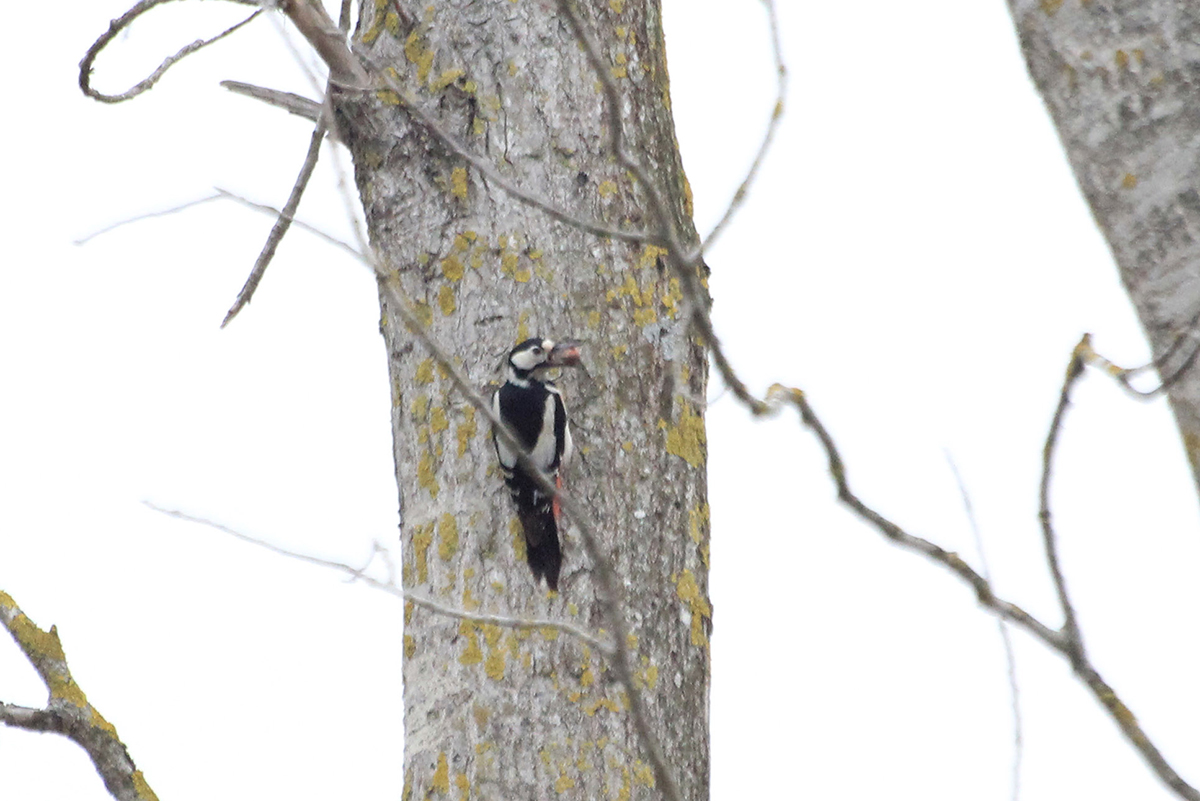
point(490, 712)
point(1120, 80)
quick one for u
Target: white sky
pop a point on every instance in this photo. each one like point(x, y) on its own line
point(916, 257)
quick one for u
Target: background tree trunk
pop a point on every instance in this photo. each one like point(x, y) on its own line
point(494, 713)
point(1119, 79)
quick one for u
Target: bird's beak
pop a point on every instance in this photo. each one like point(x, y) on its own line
point(564, 354)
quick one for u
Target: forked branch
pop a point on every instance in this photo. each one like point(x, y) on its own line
point(1066, 641)
point(67, 710)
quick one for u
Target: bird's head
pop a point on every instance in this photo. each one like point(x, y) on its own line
point(542, 354)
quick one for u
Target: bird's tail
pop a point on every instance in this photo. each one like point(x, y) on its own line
point(541, 543)
point(539, 520)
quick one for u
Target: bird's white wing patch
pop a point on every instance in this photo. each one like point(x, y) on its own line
point(568, 445)
point(544, 449)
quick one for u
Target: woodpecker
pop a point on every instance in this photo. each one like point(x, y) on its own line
point(532, 408)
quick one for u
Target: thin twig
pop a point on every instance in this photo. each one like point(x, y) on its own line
point(735, 203)
point(1072, 646)
point(282, 222)
point(222, 194)
point(1010, 657)
point(390, 587)
point(275, 212)
point(147, 216)
point(948, 559)
point(1070, 628)
point(1124, 375)
point(124, 21)
point(292, 103)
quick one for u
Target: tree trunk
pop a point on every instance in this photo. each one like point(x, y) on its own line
point(490, 712)
point(1120, 80)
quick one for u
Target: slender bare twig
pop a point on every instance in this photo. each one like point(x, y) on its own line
point(952, 561)
point(391, 588)
point(68, 711)
point(222, 194)
point(1010, 657)
point(282, 222)
point(292, 103)
point(1124, 375)
point(124, 21)
point(1072, 646)
point(147, 216)
point(275, 212)
point(310, 163)
point(1070, 628)
point(743, 189)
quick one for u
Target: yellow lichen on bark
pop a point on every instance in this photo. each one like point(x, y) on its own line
point(447, 537)
point(698, 522)
point(473, 655)
point(425, 477)
point(422, 539)
point(689, 592)
point(458, 182)
point(466, 430)
point(441, 774)
point(446, 300)
point(686, 439)
point(420, 55)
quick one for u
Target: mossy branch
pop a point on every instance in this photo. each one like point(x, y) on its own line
point(67, 710)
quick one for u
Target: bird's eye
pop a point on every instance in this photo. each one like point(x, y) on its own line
point(537, 351)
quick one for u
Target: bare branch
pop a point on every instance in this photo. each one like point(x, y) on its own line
point(222, 194)
point(68, 711)
point(282, 223)
point(328, 40)
point(123, 22)
point(743, 189)
point(1070, 629)
point(1073, 638)
point(292, 103)
point(1125, 375)
point(23, 717)
point(148, 216)
point(1068, 641)
point(952, 561)
point(391, 588)
point(267, 209)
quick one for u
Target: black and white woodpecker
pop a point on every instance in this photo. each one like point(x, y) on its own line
point(533, 409)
